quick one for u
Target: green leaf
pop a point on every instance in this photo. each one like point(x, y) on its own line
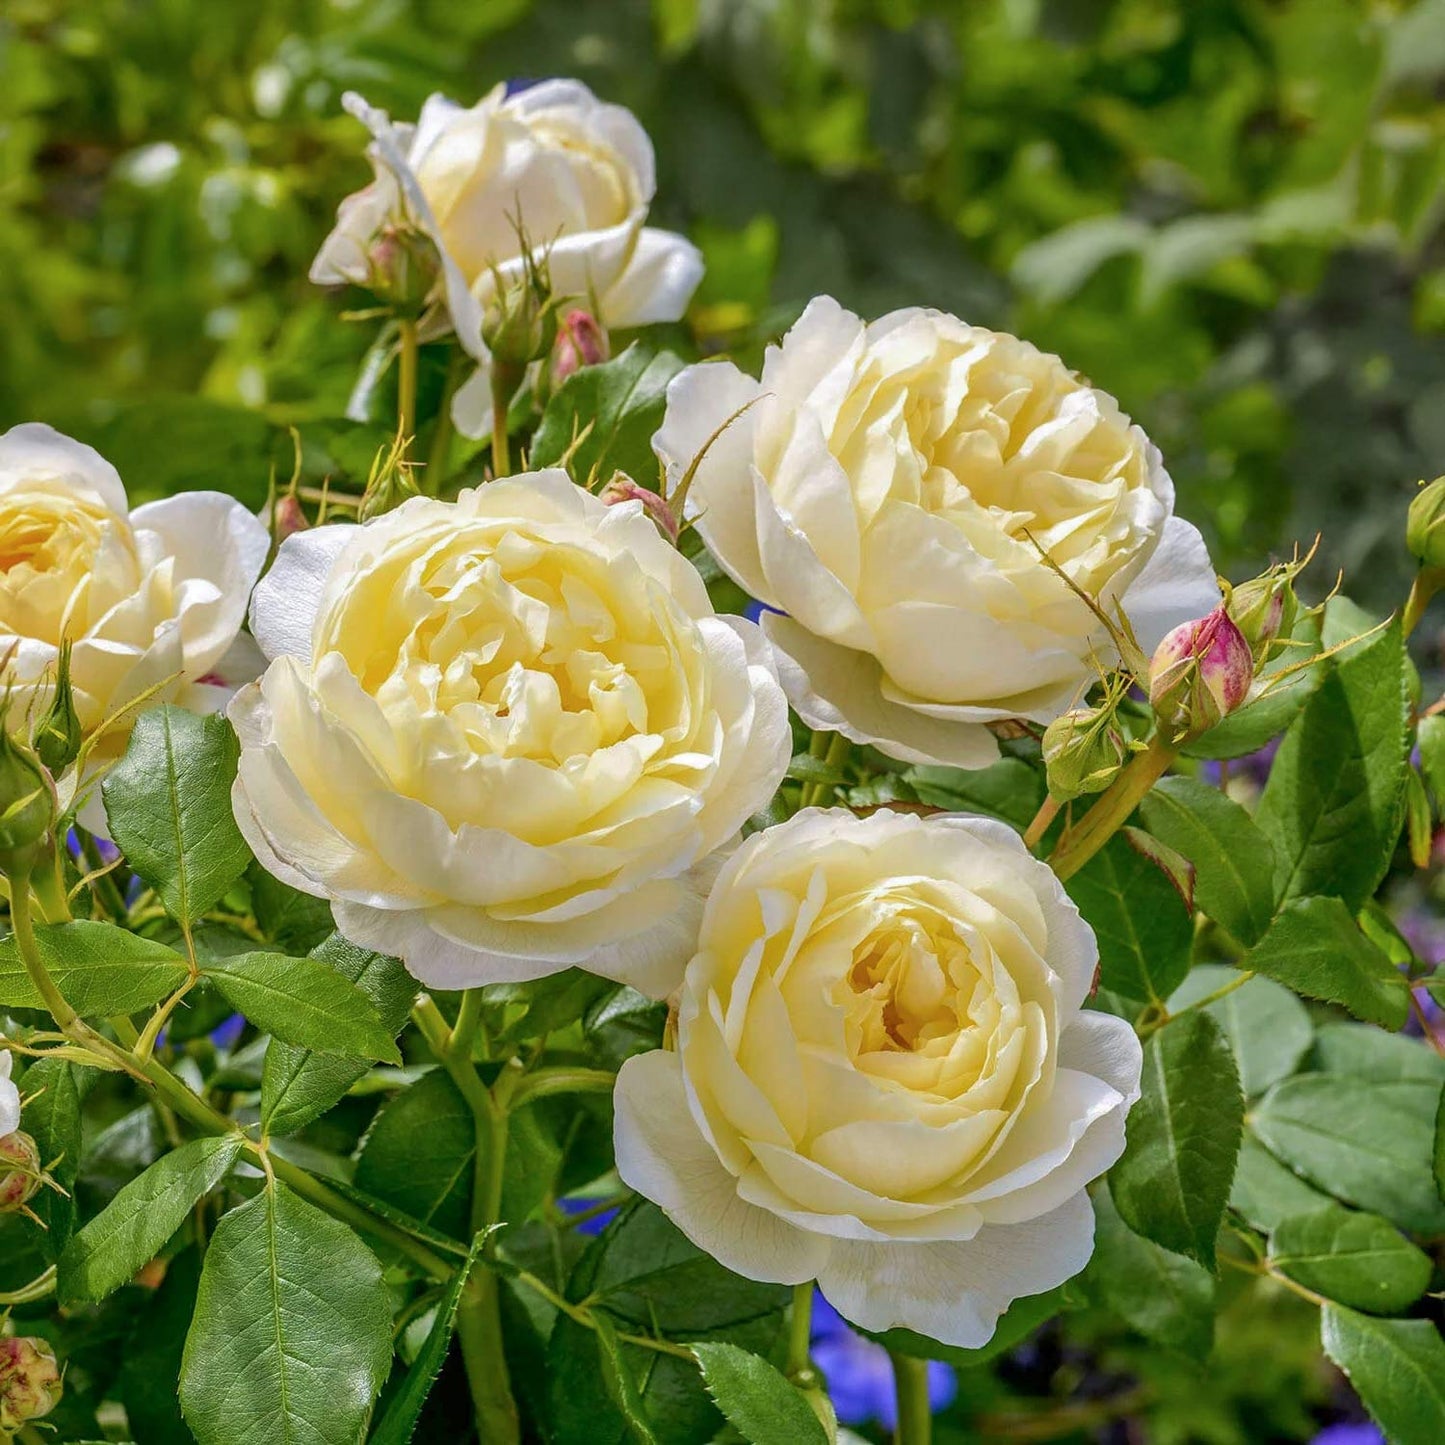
point(1333, 805)
point(624, 400)
point(132, 1229)
point(101, 969)
point(621, 1387)
point(650, 1279)
point(1358, 1260)
point(1144, 932)
point(1364, 1052)
point(151, 1361)
point(299, 1084)
point(758, 1401)
point(1268, 1028)
point(1025, 1315)
point(53, 1120)
point(1265, 1191)
point(1369, 1144)
point(419, 1153)
point(293, 922)
point(1397, 1368)
point(304, 1001)
point(1173, 1181)
point(1009, 789)
point(1315, 947)
point(399, 1423)
point(1430, 738)
point(168, 803)
point(292, 1333)
point(1233, 861)
point(1167, 1298)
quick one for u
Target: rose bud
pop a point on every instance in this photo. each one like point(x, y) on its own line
point(581, 341)
point(1425, 524)
point(402, 268)
point(27, 804)
point(20, 1173)
point(1083, 751)
point(1199, 674)
point(288, 517)
point(519, 324)
point(58, 738)
point(623, 489)
point(30, 1381)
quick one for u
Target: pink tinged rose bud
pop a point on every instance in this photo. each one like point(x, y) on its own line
point(30, 1381)
point(581, 341)
point(1199, 674)
point(288, 517)
point(20, 1173)
point(623, 489)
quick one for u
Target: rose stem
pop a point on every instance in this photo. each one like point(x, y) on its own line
point(406, 383)
point(915, 1416)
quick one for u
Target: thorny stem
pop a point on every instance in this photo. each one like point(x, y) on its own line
point(1112, 810)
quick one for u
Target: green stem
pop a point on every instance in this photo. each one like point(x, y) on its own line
point(1112, 810)
point(463, 1040)
point(800, 1333)
point(406, 381)
point(915, 1416)
point(505, 380)
point(832, 750)
point(546, 1082)
point(439, 454)
point(65, 1016)
point(1428, 581)
point(1223, 991)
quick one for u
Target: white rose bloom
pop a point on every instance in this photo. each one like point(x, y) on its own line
point(885, 1079)
point(881, 489)
point(577, 172)
point(504, 734)
point(9, 1096)
point(151, 596)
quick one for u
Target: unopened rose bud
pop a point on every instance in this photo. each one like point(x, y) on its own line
point(58, 735)
point(30, 1381)
point(1425, 525)
point(390, 483)
point(519, 324)
point(1199, 674)
point(1083, 752)
point(581, 341)
point(623, 489)
point(20, 1173)
point(402, 268)
point(27, 804)
point(288, 517)
point(1264, 609)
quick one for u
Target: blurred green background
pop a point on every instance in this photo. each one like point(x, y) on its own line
point(1227, 212)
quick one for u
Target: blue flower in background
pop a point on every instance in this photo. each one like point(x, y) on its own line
point(580, 1206)
point(227, 1035)
point(1349, 1434)
point(859, 1373)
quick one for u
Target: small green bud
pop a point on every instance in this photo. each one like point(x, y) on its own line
point(402, 268)
point(519, 324)
point(30, 1381)
point(390, 483)
point(1084, 751)
point(58, 736)
point(1425, 524)
point(27, 804)
point(1264, 609)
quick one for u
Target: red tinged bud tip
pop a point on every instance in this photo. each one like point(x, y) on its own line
point(1199, 674)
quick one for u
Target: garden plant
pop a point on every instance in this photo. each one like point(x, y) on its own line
point(501, 948)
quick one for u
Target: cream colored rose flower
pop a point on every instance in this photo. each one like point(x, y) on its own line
point(151, 596)
point(578, 174)
point(888, 488)
point(885, 1079)
point(504, 734)
point(9, 1096)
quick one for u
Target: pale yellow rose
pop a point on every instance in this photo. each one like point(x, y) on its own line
point(504, 734)
point(151, 600)
point(885, 1078)
point(576, 172)
point(891, 489)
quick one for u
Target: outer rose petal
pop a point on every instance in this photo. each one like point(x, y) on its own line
point(9, 1096)
point(1176, 585)
point(956, 1291)
point(34, 447)
point(287, 598)
point(662, 1154)
point(219, 549)
point(840, 690)
point(658, 282)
